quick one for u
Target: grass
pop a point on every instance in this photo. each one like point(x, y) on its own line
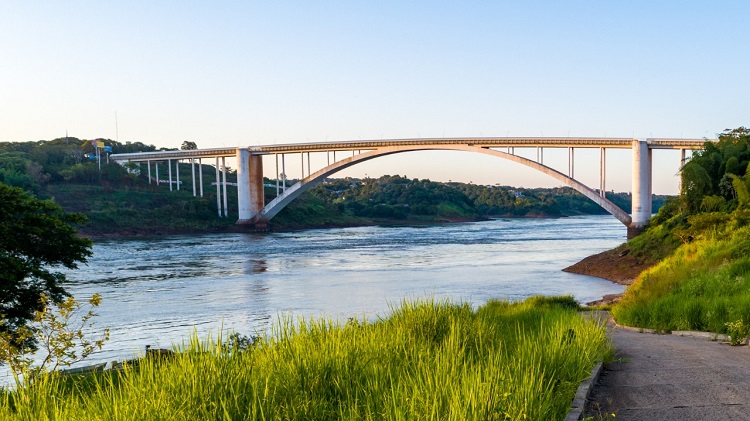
point(428, 360)
point(704, 285)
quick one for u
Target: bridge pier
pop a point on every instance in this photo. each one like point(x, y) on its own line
point(249, 186)
point(641, 188)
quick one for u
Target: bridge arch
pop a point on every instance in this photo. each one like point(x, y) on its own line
point(291, 193)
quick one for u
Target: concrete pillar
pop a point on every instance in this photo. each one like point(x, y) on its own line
point(257, 196)
point(250, 196)
point(169, 170)
point(200, 175)
point(177, 179)
point(192, 171)
point(148, 165)
point(572, 162)
point(641, 188)
point(218, 188)
point(278, 189)
point(603, 172)
point(224, 172)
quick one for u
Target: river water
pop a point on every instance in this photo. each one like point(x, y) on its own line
point(158, 290)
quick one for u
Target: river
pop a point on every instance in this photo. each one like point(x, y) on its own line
point(156, 291)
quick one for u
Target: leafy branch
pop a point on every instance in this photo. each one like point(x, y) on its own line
point(58, 330)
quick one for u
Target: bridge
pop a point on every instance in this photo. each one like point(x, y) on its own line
point(255, 212)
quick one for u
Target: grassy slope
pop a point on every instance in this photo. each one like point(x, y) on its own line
point(426, 361)
point(703, 285)
point(144, 210)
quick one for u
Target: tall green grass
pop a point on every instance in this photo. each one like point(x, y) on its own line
point(428, 360)
point(703, 285)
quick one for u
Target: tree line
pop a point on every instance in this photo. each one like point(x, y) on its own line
point(397, 197)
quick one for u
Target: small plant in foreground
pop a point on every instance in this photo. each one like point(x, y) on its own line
point(239, 342)
point(58, 331)
point(737, 331)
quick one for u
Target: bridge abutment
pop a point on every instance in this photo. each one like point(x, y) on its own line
point(641, 188)
point(250, 198)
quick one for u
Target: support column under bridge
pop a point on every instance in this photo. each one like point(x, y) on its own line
point(250, 199)
point(641, 188)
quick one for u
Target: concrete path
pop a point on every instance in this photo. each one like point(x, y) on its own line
point(669, 377)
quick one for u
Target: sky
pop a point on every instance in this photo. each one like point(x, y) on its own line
point(247, 73)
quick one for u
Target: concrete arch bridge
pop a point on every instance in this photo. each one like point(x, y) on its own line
point(254, 211)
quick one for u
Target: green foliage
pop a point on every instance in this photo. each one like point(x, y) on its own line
point(62, 159)
point(696, 184)
point(700, 242)
point(143, 209)
point(36, 237)
point(707, 223)
point(710, 170)
point(738, 331)
point(562, 302)
point(400, 198)
point(703, 285)
point(58, 330)
point(741, 189)
point(426, 361)
point(187, 145)
point(712, 203)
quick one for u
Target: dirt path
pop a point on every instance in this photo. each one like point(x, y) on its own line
point(668, 377)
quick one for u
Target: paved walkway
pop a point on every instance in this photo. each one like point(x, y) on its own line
point(668, 377)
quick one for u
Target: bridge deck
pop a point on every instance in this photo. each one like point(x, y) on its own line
point(485, 142)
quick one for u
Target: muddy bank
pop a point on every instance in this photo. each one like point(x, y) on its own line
point(616, 265)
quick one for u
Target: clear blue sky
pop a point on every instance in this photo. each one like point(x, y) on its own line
point(248, 73)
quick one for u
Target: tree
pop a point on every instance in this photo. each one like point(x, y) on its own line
point(36, 237)
point(188, 146)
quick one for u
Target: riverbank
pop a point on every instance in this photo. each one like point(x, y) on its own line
point(229, 227)
point(617, 265)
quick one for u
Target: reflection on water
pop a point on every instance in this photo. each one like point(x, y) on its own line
point(157, 290)
point(255, 266)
